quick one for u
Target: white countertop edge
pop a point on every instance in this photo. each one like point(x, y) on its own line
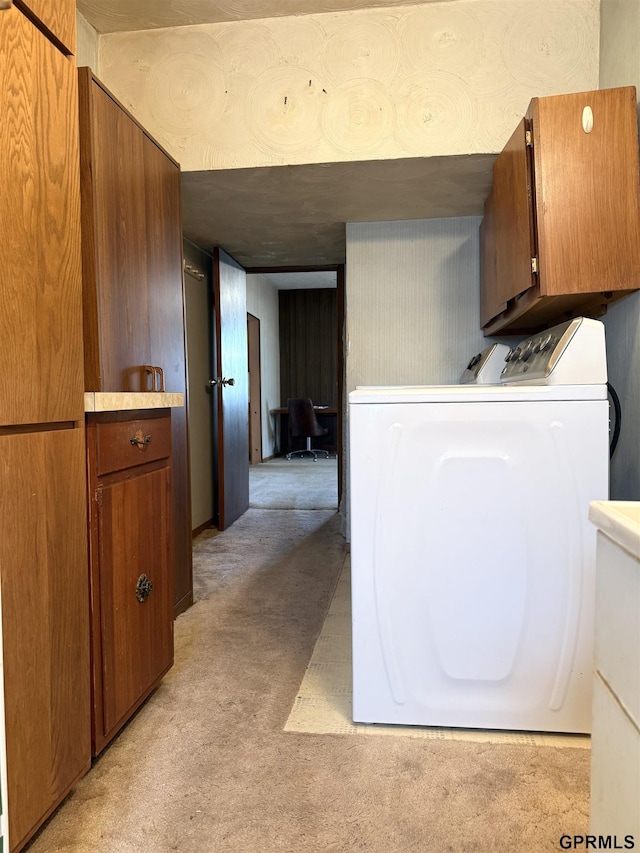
point(620, 522)
point(111, 401)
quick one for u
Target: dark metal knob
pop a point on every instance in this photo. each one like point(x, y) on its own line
point(144, 588)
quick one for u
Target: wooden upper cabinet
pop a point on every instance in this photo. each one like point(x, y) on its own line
point(132, 249)
point(57, 16)
point(566, 210)
point(40, 268)
point(588, 217)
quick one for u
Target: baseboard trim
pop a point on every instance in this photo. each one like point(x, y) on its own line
point(201, 528)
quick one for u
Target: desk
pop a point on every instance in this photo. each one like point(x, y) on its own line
point(328, 418)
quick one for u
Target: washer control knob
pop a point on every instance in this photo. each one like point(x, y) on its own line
point(545, 343)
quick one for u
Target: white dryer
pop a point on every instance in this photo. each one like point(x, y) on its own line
point(471, 551)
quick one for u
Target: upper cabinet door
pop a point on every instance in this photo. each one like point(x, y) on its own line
point(41, 295)
point(513, 217)
point(132, 238)
point(115, 271)
point(58, 16)
point(585, 149)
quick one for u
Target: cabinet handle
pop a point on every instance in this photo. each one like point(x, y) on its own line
point(5, 4)
point(140, 440)
point(158, 372)
point(144, 588)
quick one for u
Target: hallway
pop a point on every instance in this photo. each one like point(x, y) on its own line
point(207, 766)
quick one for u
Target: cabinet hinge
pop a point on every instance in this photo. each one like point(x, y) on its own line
point(528, 138)
point(534, 265)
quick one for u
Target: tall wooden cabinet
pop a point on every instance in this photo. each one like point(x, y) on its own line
point(561, 231)
point(43, 539)
point(132, 276)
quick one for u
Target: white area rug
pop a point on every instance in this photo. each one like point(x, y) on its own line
point(297, 484)
point(323, 703)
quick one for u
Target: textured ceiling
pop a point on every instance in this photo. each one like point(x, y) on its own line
point(295, 215)
point(115, 16)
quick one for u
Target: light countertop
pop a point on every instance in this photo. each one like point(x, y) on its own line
point(620, 522)
point(105, 401)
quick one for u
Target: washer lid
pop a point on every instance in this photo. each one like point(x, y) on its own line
point(474, 393)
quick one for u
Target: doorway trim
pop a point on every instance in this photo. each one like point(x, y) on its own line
point(255, 393)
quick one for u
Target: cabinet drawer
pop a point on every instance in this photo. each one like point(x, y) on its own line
point(125, 444)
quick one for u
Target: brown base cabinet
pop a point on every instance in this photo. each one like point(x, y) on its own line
point(561, 230)
point(131, 562)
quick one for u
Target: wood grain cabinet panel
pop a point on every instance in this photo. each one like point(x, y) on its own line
point(133, 292)
point(57, 16)
point(41, 294)
point(565, 196)
point(45, 616)
point(131, 565)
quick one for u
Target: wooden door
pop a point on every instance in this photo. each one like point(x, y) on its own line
point(45, 616)
point(232, 400)
point(134, 520)
point(255, 396)
point(59, 18)
point(514, 218)
point(41, 296)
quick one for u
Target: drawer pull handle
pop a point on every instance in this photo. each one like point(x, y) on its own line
point(140, 440)
point(144, 588)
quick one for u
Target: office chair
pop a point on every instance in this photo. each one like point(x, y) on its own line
point(303, 422)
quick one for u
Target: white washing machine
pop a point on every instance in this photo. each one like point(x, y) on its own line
point(471, 551)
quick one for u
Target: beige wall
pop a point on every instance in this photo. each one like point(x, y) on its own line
point(199, 398)
point(412, 293)
point(434, 79)
point(620, 66)
point(262, 302)
point(87, 44)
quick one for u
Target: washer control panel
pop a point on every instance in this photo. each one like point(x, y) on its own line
point(486, 367)
point(571, 353)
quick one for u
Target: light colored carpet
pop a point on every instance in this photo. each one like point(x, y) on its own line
point(297, 484)
point(206, 766)
point(323, 703)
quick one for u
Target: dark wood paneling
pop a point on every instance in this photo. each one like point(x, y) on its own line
point(43, 558)
point(309, 345)
point(40, 296)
